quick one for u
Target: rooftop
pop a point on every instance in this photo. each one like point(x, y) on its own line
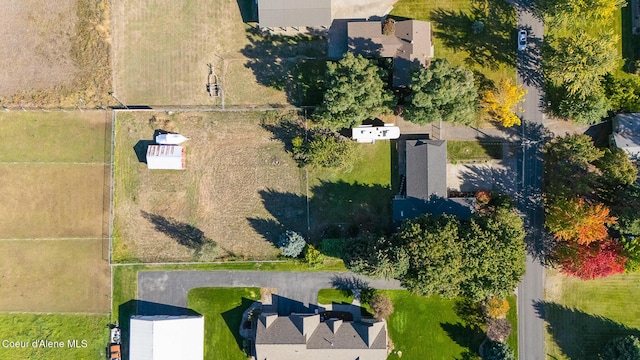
point(294, 13)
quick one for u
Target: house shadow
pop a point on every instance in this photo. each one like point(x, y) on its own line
point(290, 63)
point(248, 10)
point(487, 32)
point(145, 308)
point(233, 319)
point(580, 335)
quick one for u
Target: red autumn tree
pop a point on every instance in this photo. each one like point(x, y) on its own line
point(597, 260)
point(577, 221)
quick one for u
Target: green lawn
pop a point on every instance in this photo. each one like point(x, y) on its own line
point(467, 150)
point(357, 198)
point(582, 316)
point(428, 327)
point(491, 53)
point(55, 136)
point(92, 329)
point(331, 296)
point(222, 309)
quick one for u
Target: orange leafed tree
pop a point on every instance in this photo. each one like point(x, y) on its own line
point(575, 220)
point(502, 103)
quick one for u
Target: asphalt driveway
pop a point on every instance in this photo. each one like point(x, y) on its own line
point(171, 287)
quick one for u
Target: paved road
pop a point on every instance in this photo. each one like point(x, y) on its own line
point(171, 287)
point(530, 326)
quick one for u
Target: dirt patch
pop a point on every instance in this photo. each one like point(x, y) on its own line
point(55, 53)
point(54, 276)
point(236, 178)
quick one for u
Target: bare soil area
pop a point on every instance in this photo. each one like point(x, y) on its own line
point(55, 53)
point(236, 178)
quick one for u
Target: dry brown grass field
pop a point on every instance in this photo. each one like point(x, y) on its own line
point(233, 166)
point(55, 53)
point(54, 276)
point(54, 214)
point(162, 49)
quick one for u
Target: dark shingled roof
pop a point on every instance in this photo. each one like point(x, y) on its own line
point(411, 44)
point(426, 184)
point(347, 334)
point(426, 168)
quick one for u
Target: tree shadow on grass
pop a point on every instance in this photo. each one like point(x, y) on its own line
point(337, 209)
point(294, 64)
point(284, 126)
point(233, 319)
point(288, 211)
point(354, 209)
point(578, 334)
point(465, 335)
point(184, 234)
point(490, 47)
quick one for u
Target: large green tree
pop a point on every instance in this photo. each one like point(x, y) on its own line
point(453, 258)
point(578, 61)
point(622, 348)
point(442, 92)
point(355, 91)
point(582, 107)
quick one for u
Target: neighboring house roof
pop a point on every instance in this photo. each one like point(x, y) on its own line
point(411, 44)
point(426, 162)
point(626, 133)
point(304, 336)
point(425, 183)
point(294, 13)
point(162, 337)
point(165, 157)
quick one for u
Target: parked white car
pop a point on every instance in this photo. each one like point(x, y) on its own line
point(522, 40)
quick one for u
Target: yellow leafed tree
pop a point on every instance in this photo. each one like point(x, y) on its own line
point(502, 103)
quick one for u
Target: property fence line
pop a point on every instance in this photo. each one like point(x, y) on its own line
point(111, 203)
point(54, 313)
point(53, 163)
point(202, 263)
point(52, 239)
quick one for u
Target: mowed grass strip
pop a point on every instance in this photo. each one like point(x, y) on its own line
point(28, 328)
point(582, 316)
point(473, 150)
point(55, 136)
point(54, 276)
point(47, 201)
point(222, 309)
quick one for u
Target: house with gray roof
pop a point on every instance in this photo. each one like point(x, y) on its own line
point(410, 45)
point(309, 337)
point(423, 187)
point(294, 13)
point(626, 134)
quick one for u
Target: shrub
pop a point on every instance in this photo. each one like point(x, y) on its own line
point(389, 26)
point(381, 305)
point(498, 351)
point(312, 256)
point(496, 307)
point(334, 247)
point(498, 329)
point(291, 243)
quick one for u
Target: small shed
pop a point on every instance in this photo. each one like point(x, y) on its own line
point(165, 157)
point(163, 337)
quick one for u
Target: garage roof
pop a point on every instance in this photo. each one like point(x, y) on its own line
point(294, 13)
point(163, 337)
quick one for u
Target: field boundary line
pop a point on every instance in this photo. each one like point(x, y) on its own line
point(202, 263)
point(53, 313)
point(111, 203)
point(53, 163)
point(51, 239)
